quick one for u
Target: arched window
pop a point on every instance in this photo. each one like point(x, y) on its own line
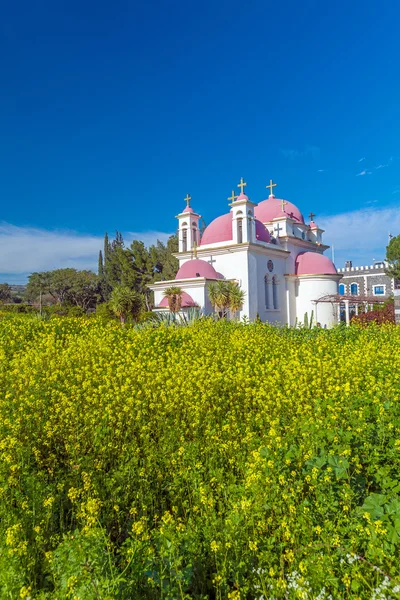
point(274, 292)
point(184, 240)
point(341, 289)
point(240, 230)
point(354, 289)
point(266, 292)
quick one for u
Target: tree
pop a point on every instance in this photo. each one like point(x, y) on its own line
point(65, 286)
point(125, 302)
point(174, 296)
point(219, 298)
point(100, 267)
point(226, 296)
point(5, 293)
point(236, 297)
point(393, 258)
point(84, 290)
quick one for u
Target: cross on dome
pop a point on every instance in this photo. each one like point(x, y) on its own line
point(188, 199)
point(233, 197)
point(283, 203)
point(242, 185)
point(270, 186)
point(311, 216)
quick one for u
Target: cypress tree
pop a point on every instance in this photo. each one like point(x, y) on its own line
point(100, 269)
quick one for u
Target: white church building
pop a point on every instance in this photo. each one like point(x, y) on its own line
point(268, 249)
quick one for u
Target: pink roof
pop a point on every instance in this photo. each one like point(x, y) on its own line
point(220, 230)
point(312, 263)
point(187, 209)
point(196, 268)
point(242, 197)
point(313, 225)
point(187, 300)
point(272, 208)
point(262, 234)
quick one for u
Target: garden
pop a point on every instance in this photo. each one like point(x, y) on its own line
point(213, 460)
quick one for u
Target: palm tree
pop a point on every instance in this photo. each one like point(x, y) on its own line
point(226, 296)
point(174, 296)
point(218, 294)
point(124, 302)
point(236, 297)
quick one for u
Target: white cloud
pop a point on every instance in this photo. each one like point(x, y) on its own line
point(361, 159)
point(381, 166)
point(360, 235)
point(27, 249)
point(321, 170)
point(365, 172)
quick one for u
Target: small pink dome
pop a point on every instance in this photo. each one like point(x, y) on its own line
point(242, 197)
point(196, 268)
point(187, 209)
point(313, 225)
point(272, 207)
point(187, 300)
point(219, 230)
point(312, 263)
point(262, 234)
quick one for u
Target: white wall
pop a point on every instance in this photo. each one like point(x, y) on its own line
point(312, 288)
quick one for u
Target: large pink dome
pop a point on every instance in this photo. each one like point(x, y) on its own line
point(187, 301)
point(271, 208)
point(196, 268)
point(312, 263)
point(220, 230)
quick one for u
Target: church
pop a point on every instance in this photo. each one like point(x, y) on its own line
point(276, 258)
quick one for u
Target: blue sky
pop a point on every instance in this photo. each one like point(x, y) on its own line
point(111, 112)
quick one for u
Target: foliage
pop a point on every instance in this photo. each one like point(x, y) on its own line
point(380, 314)
point(173, 294)
point(226, 296)
point(393, 257)
point(66, 287)
point(125, 303)
point(136, 266)
point(220, 460)
point(5, 292)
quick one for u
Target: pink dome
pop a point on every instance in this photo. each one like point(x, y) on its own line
point(262, 234)
point(196, 268)
point(187, 300)
point(313, 225)
point(312, 263)
point(220, 230)
point(187, 209)
point(272, 208)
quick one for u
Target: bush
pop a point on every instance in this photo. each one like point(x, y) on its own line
point(219, 460)
point(17, 308)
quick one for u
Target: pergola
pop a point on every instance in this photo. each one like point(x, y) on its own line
point(346, 301)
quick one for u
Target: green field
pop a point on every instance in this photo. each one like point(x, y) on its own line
point(217, 460)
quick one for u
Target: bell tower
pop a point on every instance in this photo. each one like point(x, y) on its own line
point(188, 230)
point(243, 222)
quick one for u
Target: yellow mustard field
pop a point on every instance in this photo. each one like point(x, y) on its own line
point(217, 460)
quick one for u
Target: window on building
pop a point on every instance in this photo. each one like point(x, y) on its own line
point(266, 292)
point(240, 231)
point(184, 240)
point(341, 289)
point(274, 292)
point(379, 290)
point(354, 289)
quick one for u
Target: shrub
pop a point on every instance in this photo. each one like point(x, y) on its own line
point(219, 460)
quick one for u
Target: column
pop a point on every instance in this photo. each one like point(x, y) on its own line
point(346, 306)
point(356, 306)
